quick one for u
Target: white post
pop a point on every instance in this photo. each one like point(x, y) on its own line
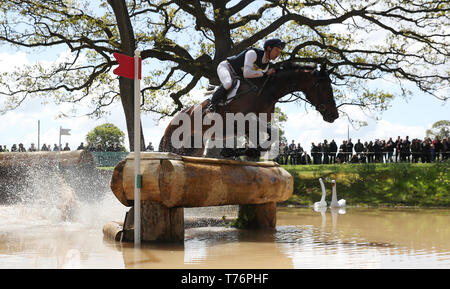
point(39, 136)
point(137, 151)
point(59, 148)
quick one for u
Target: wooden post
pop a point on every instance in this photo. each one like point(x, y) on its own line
point(262, 216)
point(159, 223)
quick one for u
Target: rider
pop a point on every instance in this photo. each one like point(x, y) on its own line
point(250, 63)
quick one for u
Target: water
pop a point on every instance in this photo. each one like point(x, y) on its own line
point(35, 235)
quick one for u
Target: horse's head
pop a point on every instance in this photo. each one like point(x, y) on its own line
point(320, 94)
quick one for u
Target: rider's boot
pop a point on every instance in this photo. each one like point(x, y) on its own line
point(217, 97)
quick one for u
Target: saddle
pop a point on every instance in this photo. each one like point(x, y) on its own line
point(232, 92)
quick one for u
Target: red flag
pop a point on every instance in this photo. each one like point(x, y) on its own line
point(126, 66)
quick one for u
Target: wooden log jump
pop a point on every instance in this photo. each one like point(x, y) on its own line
point(171, 182)
point(18, 169)
point(36, 159)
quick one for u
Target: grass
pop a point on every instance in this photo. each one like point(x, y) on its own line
point(106, 168)
point(397, 184)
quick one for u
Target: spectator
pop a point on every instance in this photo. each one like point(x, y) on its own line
point(110, 148)
point(343, 151)
point(340, 156)
point(397, 143)
point(326, 152)
point(383, 151)
point(44, 148)
point(415, 150)
point(99, 148)
point(306, 159)
point(298, 154)
point(359, 147)
point(281, 153)
point(333, 151)
point(91, 147)
point(315, 153)
point(66, 148)
point(445, 149)
point(150, 147)
point(426, 157)
point(117, 148)
point(370, 152)
point(437, 148)
point(349, 149)
point(5, 149)
point(32, 148)
point(390, 145)
point(320, 152)
point(408, 150)
point(81, 146)
point(377, 151)
point(291, 152)
point(55, 148)
point(21, 148)
point(354, 159)
point(1, 149)
point(405, 150)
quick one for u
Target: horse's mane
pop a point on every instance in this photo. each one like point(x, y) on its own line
point(289, 65)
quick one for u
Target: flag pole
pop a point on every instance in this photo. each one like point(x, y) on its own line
point(137, 152)
point(130, 67)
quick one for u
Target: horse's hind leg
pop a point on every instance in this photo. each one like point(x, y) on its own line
point(212, 152)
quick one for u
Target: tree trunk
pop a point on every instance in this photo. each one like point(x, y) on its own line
point(128, 46)
point(127, 98)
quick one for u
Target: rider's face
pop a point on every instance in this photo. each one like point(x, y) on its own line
point(275, 52)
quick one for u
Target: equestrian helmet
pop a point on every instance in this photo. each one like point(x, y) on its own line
point(274, 42)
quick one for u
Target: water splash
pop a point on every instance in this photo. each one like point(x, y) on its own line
point(44, 195)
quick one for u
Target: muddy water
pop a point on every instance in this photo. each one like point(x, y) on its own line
point(34, 236)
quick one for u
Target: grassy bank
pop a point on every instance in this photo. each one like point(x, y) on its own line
point(400, 184)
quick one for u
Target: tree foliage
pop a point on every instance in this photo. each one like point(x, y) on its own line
point(280, 119)
point(107, 135)
point(183, 41)
point(440, 129)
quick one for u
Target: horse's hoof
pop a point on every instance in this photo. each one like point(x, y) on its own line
point(252, 153)
point(227, 153)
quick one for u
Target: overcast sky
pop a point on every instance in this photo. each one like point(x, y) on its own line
point(410, 118)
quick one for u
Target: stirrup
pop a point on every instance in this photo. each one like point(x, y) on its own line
point(210, 108)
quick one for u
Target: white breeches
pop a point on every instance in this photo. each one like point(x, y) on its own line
point(224, 74)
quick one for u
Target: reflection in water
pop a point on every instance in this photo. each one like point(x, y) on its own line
point(35, 237)
point(370, 238)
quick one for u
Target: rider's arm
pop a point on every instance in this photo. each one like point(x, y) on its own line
point(249, 71)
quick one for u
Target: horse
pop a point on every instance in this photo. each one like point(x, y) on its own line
point(259, 96)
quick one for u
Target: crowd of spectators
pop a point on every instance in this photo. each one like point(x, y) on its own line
point(378, 151)
point(99, 148)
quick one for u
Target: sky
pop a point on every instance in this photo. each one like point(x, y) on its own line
point(404, 118)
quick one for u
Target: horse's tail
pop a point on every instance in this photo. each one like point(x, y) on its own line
point(160, 148)
point(165, 145)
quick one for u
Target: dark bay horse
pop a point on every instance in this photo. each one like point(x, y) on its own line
point(260, 96)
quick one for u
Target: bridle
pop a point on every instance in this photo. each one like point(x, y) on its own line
point(317, 77)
